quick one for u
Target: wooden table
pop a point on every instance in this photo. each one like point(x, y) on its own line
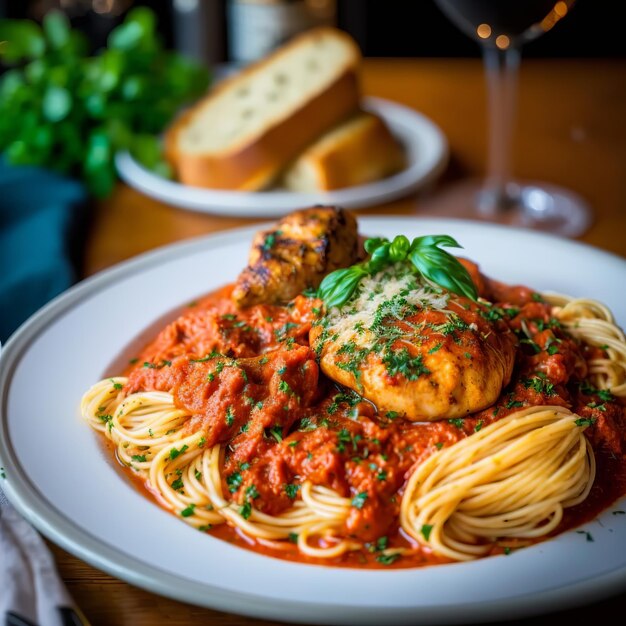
point(571, 131)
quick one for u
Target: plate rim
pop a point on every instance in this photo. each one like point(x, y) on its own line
point(274, 203)
point(29, 501)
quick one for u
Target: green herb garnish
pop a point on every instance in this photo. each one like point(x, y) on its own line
point(423, 255)
point(65, 110)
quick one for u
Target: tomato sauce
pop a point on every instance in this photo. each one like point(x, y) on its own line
point(253, 384)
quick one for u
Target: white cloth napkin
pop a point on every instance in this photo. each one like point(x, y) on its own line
point(31, 591)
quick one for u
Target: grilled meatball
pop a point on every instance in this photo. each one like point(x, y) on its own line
point(296, 254)
point(415, 352)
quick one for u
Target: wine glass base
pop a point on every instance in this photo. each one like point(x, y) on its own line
point(536, 206)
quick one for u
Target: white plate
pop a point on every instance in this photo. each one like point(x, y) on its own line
point(427, 154)
point(59, 478)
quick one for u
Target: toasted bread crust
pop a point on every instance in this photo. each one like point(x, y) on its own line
point(253, 165)
point(358, 152)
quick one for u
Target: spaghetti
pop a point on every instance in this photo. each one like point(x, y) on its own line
point(511, 479)
point(267, 446)
point(593, 323)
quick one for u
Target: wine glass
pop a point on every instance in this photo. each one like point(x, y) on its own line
point(502, 27)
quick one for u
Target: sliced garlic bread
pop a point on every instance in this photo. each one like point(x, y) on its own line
point(243, 133)
point(358, 151)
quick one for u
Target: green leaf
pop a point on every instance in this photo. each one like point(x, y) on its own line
point(148, 151)
point(443, 269)
point(56, 28)
point(399, 248)
point(56, 104)
point(100, 181)
point(371, 244)
point(137, 31)
point(17, 153)
point(435, 240)
point(338, 286)
point(20, 39)
point(52, 107)
point(98, 150)
point(379, 258)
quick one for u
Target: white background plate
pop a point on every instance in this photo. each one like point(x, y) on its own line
point(427, 155)
point(60, 479)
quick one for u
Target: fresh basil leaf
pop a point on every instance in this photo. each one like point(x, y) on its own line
point(56, 28)
point(57, 103)
point(434, 240)
point(371, 244)
point(443, 269)
point(379, 258)
point(21, 39)
point(338, 286)
point(399, 248)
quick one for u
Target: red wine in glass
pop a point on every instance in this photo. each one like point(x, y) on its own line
point(501, 27)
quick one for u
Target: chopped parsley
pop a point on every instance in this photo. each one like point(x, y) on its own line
point(174, 452)
point(246, 510)
point(552, 348)
point(587, 534)
point(531, 343)
point(212, 355)
point(540, 384)
point(426, 530)
point(276, 432)
point(599, 407)
point(585, 421)
point(154, 366)
point(359, 500)
point(458, 422)
point(387, 559)
point(604, 394)
point(292, 490)
point(435, 348)
point(234, 481)
point(230, 416)
point(283, 386)
point(401, 362)
point(188, 512)
point(252, 492)
point(281, 333)
point(139, 458)
point(178, 484)
point(306, 424)
point(270, 240)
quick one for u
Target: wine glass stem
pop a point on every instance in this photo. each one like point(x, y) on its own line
point(501, 68)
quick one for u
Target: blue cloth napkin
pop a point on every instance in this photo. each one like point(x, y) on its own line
point(42, 216)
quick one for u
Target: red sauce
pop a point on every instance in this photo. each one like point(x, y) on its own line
point(283, 422)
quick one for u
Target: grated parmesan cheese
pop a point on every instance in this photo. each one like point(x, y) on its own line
point(352, 322)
